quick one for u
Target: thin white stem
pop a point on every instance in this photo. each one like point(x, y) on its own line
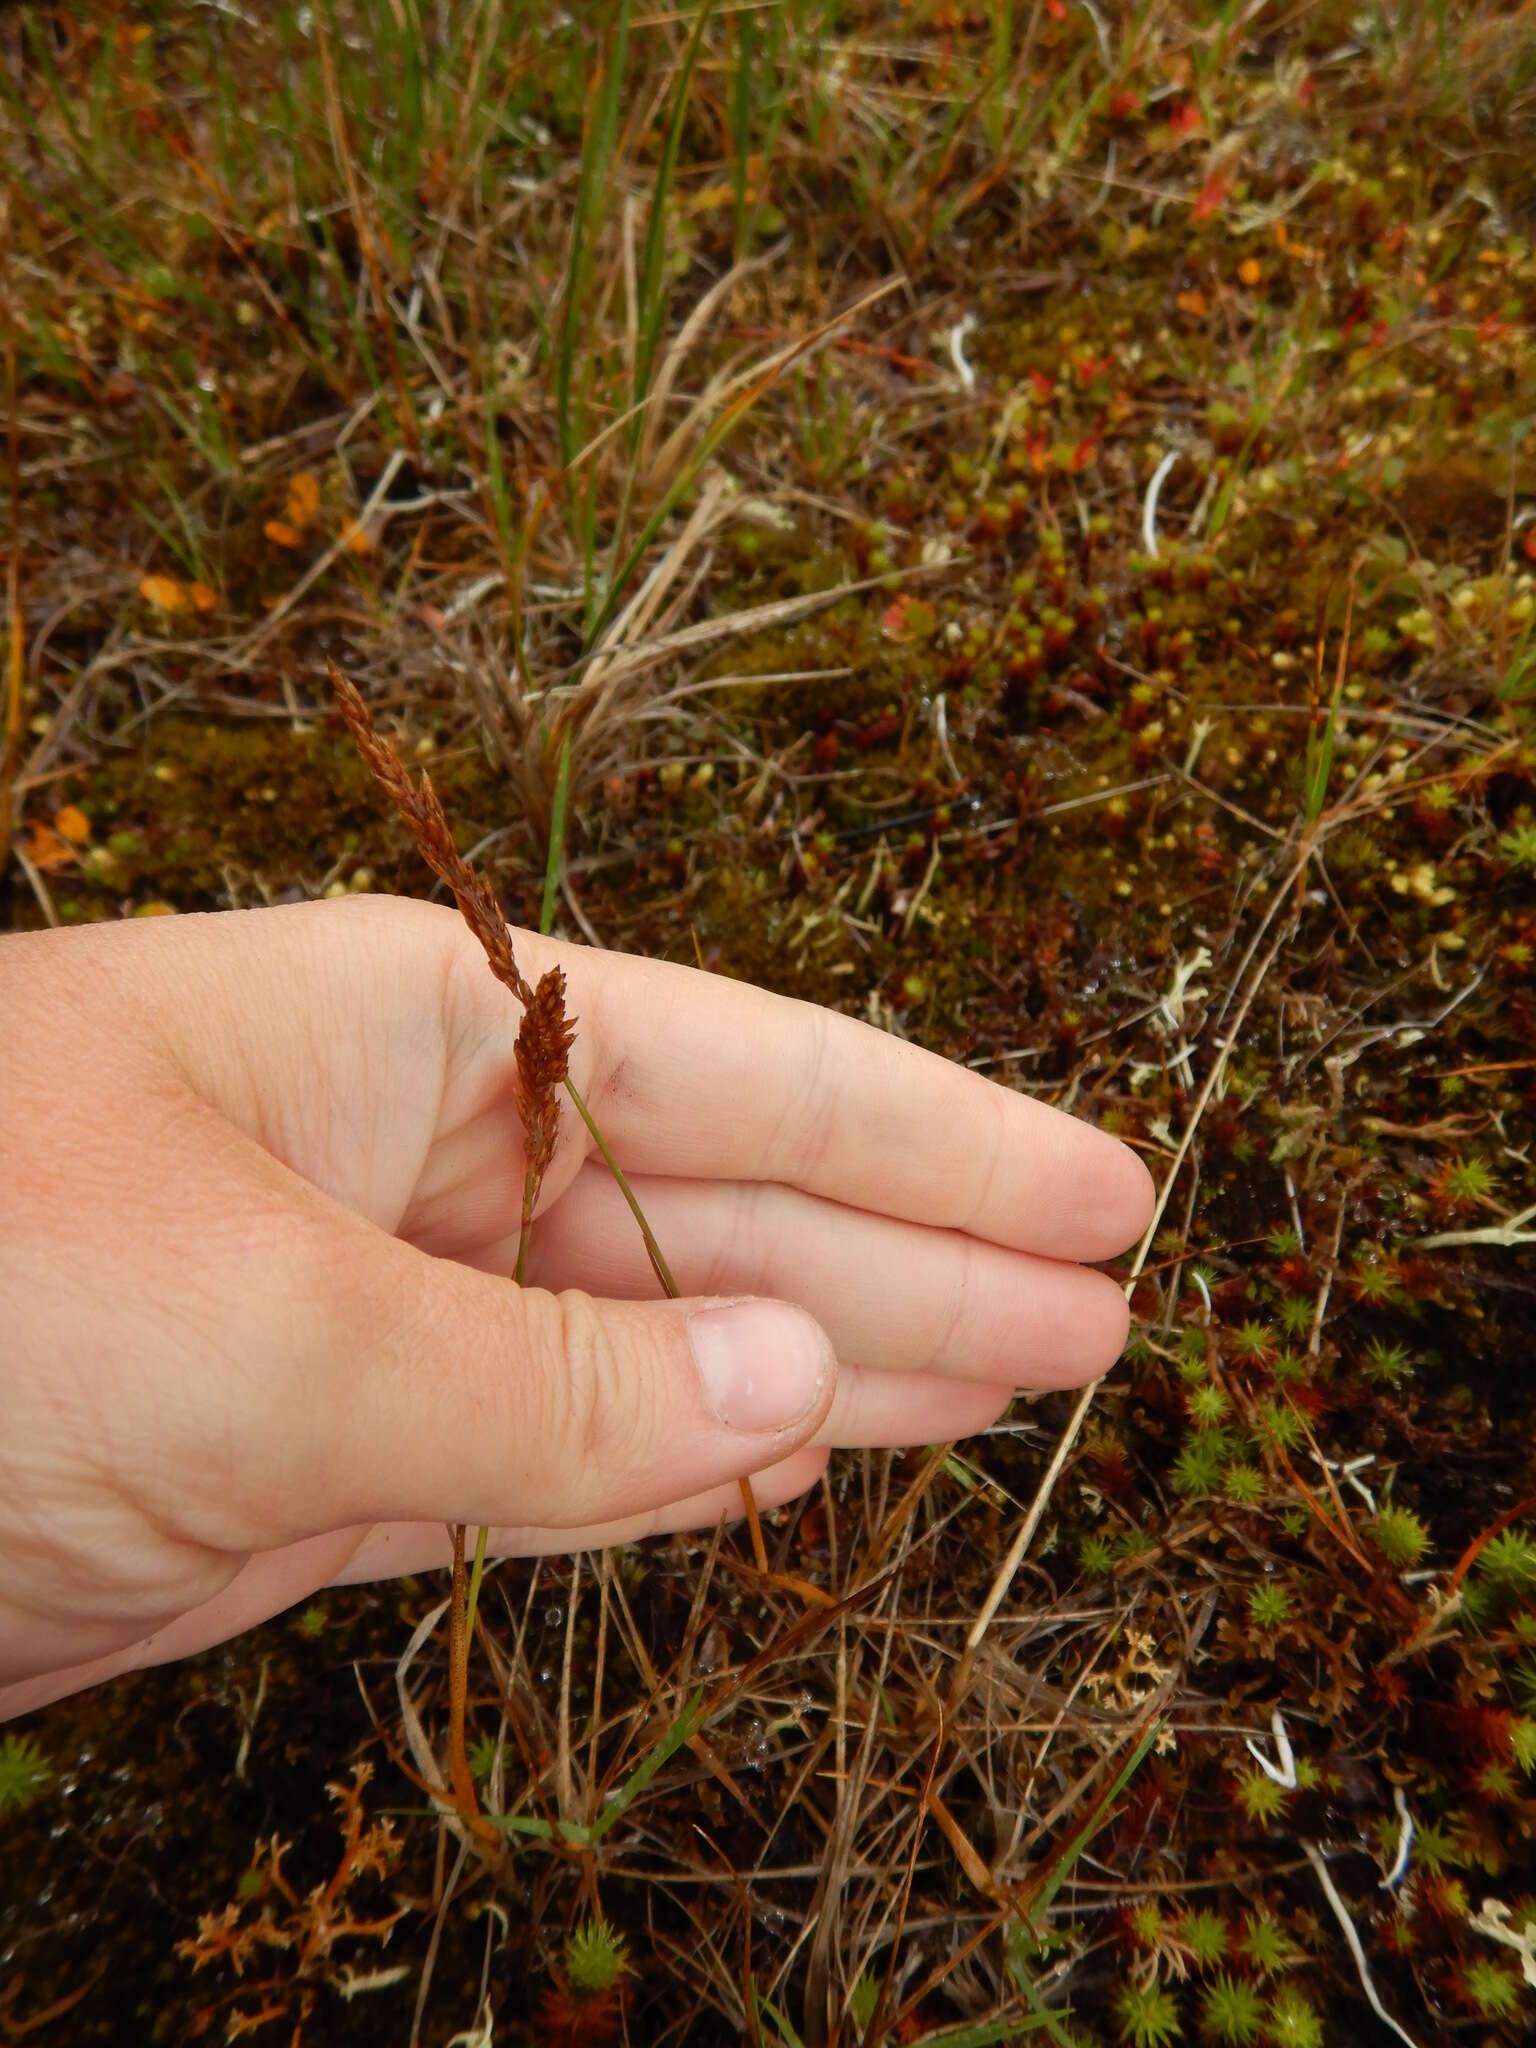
point(1149, 507)
point(1314, 1856)
point(1395, 1875)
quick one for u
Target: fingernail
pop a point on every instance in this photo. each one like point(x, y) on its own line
point(762, 1364)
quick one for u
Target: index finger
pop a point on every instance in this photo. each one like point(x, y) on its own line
point(696, 1076)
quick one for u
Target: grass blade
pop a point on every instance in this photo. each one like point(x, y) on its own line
point(597, 150)
point(556, 836)
point(683, 1729)
point(653, 294)
point(1074, 1849)
point(985, 2033)
point(713, 438)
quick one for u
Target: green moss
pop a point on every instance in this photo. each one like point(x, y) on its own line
point(202, 813)
point(25, 1773)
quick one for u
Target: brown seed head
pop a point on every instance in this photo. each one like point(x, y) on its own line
point(424, 816)
point(543, 1061)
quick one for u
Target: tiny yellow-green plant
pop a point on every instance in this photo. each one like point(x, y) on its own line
point(1293, 2021)
point(1269, 1607)
point(1399, 1535)
point(1148, 2018)
point(1231, 2012)
point(596, 1957)
point(25, 1773)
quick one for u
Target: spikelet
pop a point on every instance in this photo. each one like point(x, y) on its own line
point(429, 827)
point(543, 1061)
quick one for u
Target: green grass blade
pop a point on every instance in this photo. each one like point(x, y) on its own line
point(1041, 2013)
point(538, 1830)
point(1320, 757)
point(556, 836)
point(1094, 1822)
point(741, 131)
point(597, 149)
point(1521, 671)
point(683, 1729)
point(787, 2035)
point(985, 2033)
point(1221, 511)
point(201, 431)
point(652, 295)
point(652, 287)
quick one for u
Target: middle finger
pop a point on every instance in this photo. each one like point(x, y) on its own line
point(889, 1294)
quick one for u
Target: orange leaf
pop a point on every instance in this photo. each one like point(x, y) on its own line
point(203, 599)
point(1249, 271)
point(46, 850)
point(303, 498)
point(1192, 303)
point(72, 824)
point(164, 593)
point(359, 541)
point(282, 535)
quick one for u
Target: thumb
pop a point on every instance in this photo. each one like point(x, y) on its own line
point(456, 1395)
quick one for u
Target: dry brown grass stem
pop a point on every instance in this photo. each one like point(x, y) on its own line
point(458, 1678)
point(925, 1806)
point(565, 1779)
point(681, 351)
point(826, 1909)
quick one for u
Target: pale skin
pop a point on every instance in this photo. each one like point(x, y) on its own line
point(260, 1179)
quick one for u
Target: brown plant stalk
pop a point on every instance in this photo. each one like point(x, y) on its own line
point(543, 1067)
point(543, 1047)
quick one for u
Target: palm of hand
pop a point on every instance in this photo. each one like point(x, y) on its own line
point(267, 1341)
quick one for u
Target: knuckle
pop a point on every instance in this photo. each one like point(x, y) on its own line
point(955, 1317)
point(586, 1400)
point(737, 1258)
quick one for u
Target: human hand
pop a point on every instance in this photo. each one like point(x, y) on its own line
point(260, 1184)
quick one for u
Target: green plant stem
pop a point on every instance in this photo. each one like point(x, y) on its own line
point(556, 852)
point(662, 1270)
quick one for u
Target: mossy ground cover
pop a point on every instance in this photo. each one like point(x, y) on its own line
point(1170, 753)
